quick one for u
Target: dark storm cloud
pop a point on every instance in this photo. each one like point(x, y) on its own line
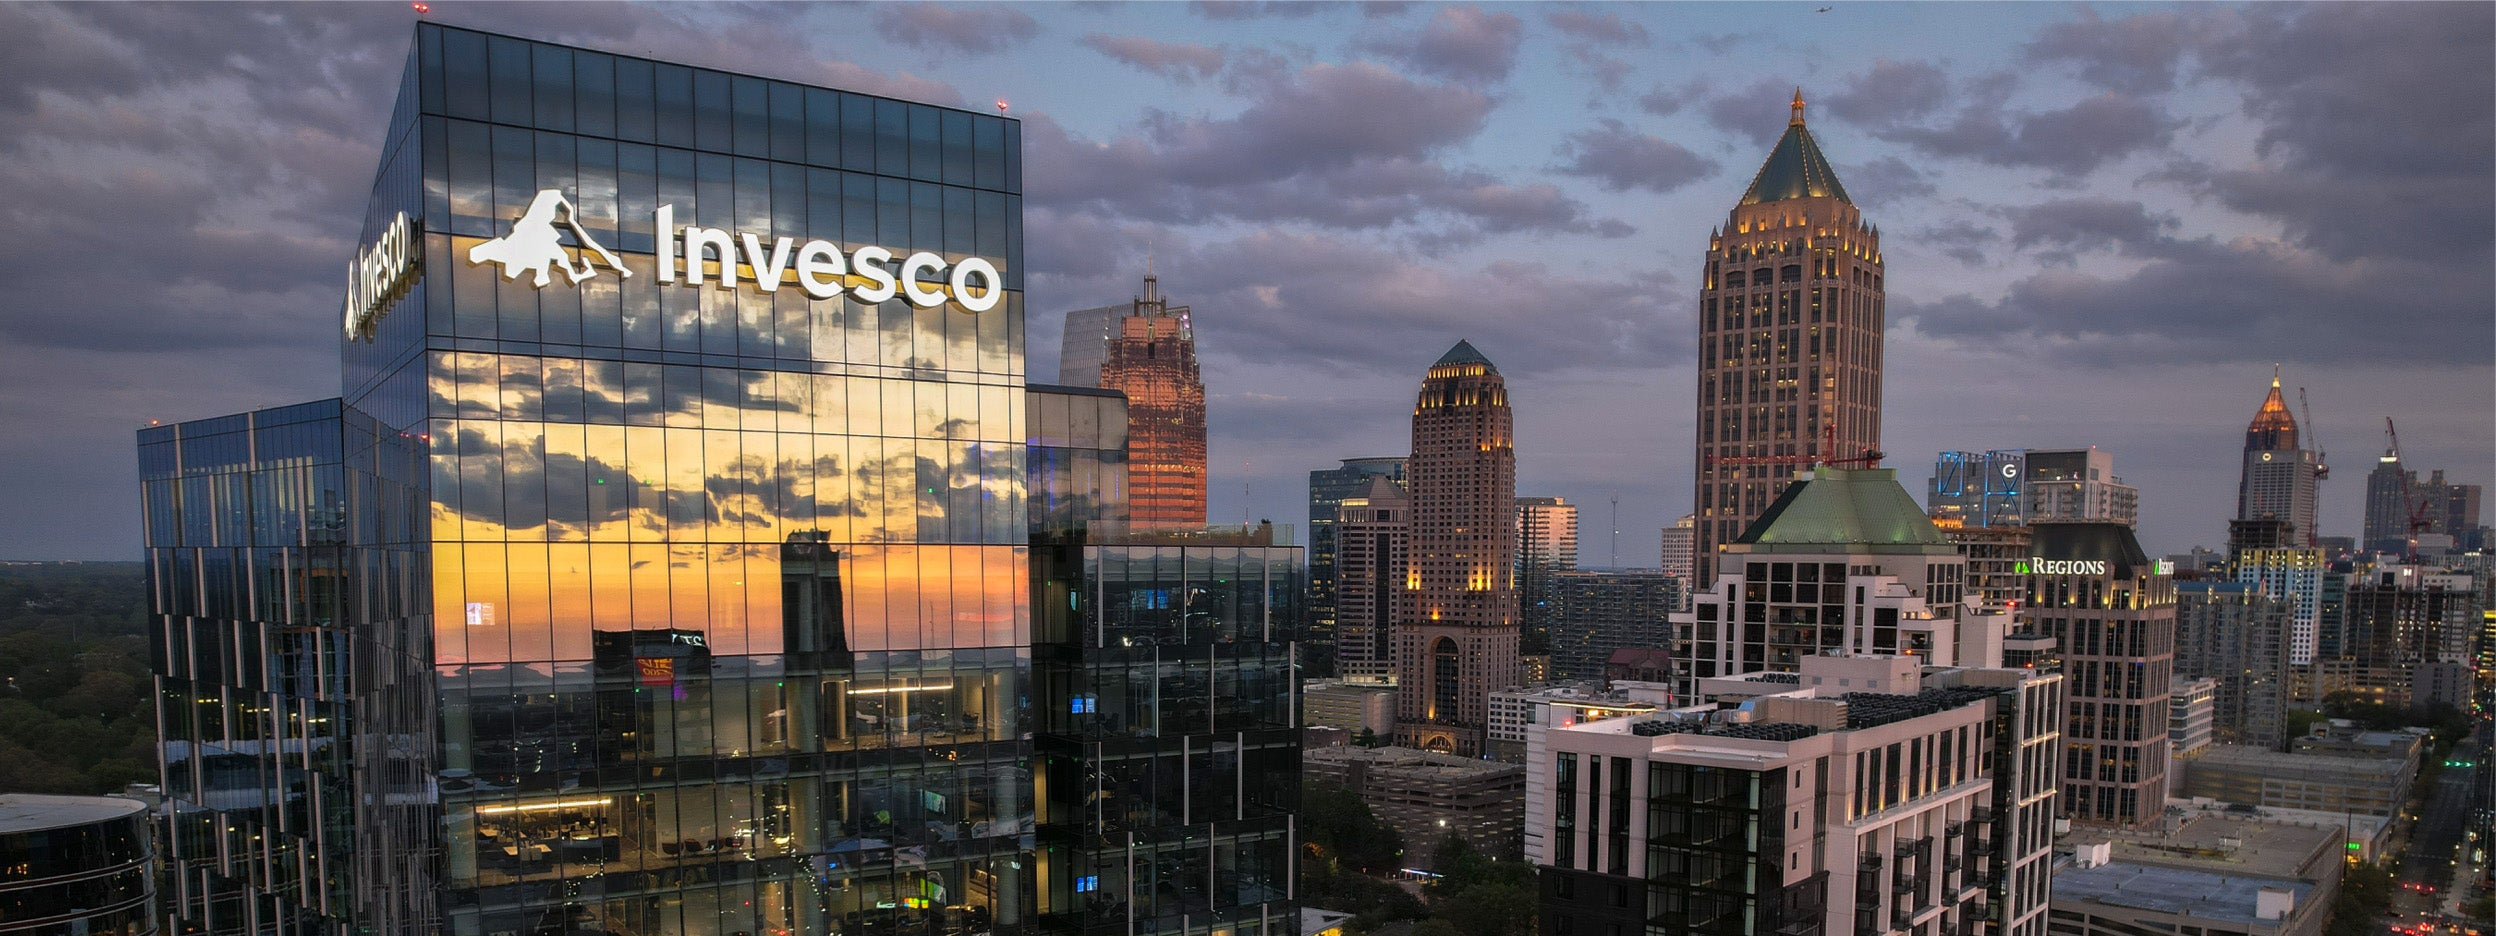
point(2375, 126)
point(1621, 159)
point(1663, 102)
point(1178, 61)
point(1337, 303)
point(1461, 43)
point(1233, 10)
point(1885, 181)
point(1347, 146)
point(1598, 26)
point(1758, 112)
point(2134, 55)
point(983, 28)
point(1965, 242)
point(2245, 301)
point(2082, 224)
point(1891, 92)
point(2069, 141)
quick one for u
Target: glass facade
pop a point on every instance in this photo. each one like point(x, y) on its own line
point(76, 866)
point(1168, 744)
point(616, 604)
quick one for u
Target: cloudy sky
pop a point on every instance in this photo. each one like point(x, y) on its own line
point(2103, 224)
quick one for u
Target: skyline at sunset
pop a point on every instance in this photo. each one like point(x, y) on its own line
point(2102, 225)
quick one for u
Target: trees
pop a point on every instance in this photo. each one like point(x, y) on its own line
point(77, 705)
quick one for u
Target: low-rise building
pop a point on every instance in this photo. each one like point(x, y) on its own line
point(1426, 796)
point(1351, 706)
point(1514, 711)
point(76, 864)
point(2229, 875)
point(2252, 776)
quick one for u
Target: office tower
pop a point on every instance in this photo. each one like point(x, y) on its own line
point(1456, 618)
point(1086, 343)
point(1546, 547)
point(2278, 481)
point(1597, 613)
point(1151, 648)
point(610, 597)
point(2010, 488)
point(2112, 612)
point(2079, 485)
point(2388, 505)
point(1679, 551)
point(2399, 620)
point(1861, 795)
point(2292, 576)
point(1151, 357)
point(1071, 485)
point(2237, 634)
point(1994, 558)
point(1327, 489)
point(1843, 562)
point(1790, 332)
point(1979, 489)
point(77, 864)
point(1372, 531)
point(2401, 509)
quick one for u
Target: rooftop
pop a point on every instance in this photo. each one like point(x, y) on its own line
point(1850, 508)
point(1408, 761)
point(1795, 168)
point(2220, 843)
point(1463, 353)
point(31, 812)
point(2201, 895)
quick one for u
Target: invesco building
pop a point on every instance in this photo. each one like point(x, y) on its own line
point(662, 567)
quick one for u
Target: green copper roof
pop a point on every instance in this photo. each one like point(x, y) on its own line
point(1795, 169)
point(1846, 507)
point(1463, 353)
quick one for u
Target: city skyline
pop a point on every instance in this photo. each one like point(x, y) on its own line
point(2101, 228)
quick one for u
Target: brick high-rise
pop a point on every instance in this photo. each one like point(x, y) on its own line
point(1790, 326)
point(1151, 357)
point(1456, 617)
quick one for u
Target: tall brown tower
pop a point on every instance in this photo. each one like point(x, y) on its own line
point(1790, 326)
point(1151, 357)
point(1456, 614)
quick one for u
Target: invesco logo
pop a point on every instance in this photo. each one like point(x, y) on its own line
point(2038, 565)
point(534, 248)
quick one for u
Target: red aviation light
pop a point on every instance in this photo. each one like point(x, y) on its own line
point(421, 7)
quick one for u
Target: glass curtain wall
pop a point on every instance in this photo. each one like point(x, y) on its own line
point(728, 611)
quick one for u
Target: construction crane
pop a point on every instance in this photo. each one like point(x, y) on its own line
point(2418, 522)
point(1870, 458)
point(2313, 434)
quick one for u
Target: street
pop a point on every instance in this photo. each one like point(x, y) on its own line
point(2430, 894)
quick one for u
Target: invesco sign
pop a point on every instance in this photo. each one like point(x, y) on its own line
point(2038, 565)
point(381, 273)
point(535, 247)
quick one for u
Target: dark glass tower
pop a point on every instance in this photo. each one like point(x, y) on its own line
point(1170, 758)
point(664, 569)
point(1790, 337)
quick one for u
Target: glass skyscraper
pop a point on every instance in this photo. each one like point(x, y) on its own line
point(663, 567)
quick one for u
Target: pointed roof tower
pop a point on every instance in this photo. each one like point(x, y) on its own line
point(1463, 353)
point(2273, 428)
point(1795, 169)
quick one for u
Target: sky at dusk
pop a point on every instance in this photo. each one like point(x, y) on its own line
point(2103, 224)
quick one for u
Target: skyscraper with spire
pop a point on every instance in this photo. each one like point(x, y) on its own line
point(2278, 482)
point(1790, 333)
point(1150, 355)
point(1456, 612)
